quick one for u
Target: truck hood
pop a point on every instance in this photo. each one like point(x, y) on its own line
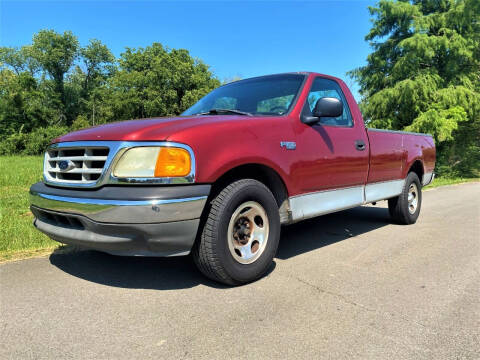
point(153, 129)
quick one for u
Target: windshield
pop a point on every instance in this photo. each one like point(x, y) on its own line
point(266, 95)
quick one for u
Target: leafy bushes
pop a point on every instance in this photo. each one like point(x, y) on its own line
point(57, 82)
point(33, 143)
point(55, 85)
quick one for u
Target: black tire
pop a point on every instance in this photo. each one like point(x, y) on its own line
point(211, 252)
point(399, 207)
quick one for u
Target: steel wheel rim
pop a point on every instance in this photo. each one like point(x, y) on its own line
point(248, 232)
point(412, 198)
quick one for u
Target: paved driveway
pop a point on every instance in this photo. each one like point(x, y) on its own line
point(347, 285)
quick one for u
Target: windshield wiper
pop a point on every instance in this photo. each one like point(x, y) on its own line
point(225, 111)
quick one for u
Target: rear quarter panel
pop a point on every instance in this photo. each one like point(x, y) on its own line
point(419, 147)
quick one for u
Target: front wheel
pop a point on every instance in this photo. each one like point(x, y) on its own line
point(405, 208)
point(240, 236)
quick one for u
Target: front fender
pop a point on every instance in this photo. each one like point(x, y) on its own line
point(219, 148)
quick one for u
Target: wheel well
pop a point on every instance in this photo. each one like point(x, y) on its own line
point(417, 168)
point(262, 173)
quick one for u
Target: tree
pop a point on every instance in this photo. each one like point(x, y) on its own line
point(98, 63)
point(25, 102)
point(424, 75)
point(56, 54)
point(157, 81)
point(13, 58)
point(54, 82)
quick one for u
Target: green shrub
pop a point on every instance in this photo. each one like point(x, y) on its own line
point(39, 139)
point(13, 144)
point(81, 122)
point(33, 143)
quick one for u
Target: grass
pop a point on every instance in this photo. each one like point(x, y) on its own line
point(18, 238)
point(449, 181)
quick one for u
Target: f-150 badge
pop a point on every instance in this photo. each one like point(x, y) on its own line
point(289, 145)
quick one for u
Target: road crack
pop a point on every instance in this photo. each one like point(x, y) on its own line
point(361, 306)
point(339, 296)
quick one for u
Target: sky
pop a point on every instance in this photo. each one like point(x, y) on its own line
point(235, 38)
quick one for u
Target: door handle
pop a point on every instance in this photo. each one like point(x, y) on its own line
point(360, 145)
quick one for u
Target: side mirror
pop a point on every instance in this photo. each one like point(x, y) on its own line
point(328, 107)
point(324, 107)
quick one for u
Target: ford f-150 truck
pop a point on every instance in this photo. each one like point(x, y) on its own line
point(220, 180)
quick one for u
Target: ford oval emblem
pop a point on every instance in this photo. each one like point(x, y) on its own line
point(65, 165)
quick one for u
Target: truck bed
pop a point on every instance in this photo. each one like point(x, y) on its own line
point(392, 153)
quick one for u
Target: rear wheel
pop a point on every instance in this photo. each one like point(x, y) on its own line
point(240, 236)
point(405, 208)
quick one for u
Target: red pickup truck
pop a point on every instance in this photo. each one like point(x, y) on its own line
point(220, 180)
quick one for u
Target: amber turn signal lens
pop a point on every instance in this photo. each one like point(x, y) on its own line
point(172, 162)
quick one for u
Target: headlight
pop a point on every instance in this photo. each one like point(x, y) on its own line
point(154, 161)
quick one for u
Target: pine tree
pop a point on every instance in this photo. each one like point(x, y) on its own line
point(424, 75)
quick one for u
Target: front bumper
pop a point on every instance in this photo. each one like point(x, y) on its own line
point(122, 220)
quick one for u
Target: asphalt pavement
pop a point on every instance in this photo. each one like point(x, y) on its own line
point(343, 286)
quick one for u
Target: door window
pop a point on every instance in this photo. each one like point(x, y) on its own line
point(328, 88)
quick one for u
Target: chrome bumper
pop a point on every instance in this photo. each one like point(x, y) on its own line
point(123, 211)
point(148, 221)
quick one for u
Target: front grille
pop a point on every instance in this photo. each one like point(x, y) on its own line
point(84, 164)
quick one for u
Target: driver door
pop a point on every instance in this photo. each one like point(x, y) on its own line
point(334, 153)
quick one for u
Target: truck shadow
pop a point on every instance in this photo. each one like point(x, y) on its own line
point(131, 272)
point(181, 273)
point(325, 230)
